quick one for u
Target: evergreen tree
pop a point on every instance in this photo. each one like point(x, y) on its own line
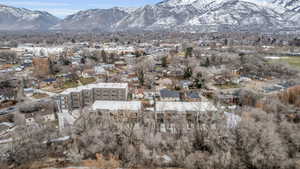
point(104, 56)
point(141, 76)
point(207, 62)
point(188, 72)
point(164, 61)
point(188, 52)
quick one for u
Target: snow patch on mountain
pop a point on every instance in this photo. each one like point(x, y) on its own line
point(12, 18)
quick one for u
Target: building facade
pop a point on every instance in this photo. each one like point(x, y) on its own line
point(41, 66)
point(167, 113)
point(75, 98)
point(119, 110)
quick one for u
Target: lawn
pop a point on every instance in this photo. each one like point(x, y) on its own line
point(70, 84)
point(82, 81)
point(39, 95)
point(85, 81)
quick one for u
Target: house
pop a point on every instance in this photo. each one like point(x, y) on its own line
point(169, 95)
point(120, 63)
point(150, 95)
point(99, 70)
point(108, 66)
point(86, 73)
point(130, 59)
point(178, 72)
point(192, 96)
point(138, 94)
point(76, 59)
point(49, 80)
point(185, 84)
point(164, 82)
point(230, 99)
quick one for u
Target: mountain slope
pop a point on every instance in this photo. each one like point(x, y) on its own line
point(93, 19)
point(12, 18)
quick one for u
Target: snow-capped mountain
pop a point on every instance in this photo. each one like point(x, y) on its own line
point(211, 15)
point(12, 18)
point(93, 19)
point(179, 15)
point(293, 5)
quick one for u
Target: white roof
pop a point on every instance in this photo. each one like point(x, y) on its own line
point(98, 85)
point(117, 105)
point(185, 106)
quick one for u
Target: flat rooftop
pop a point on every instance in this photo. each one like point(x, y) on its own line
point(98, 85)
point(117, 105)
point(185, 106)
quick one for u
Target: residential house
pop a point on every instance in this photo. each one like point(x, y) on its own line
point(138, 94)
point(192, 96)
point(185, 84)
point(169, 95)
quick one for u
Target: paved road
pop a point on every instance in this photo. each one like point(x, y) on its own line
point(8, 110)
point(45, 92)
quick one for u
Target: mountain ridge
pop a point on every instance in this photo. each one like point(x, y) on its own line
point(178, 15)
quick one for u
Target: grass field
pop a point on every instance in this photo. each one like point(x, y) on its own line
point(70, 84)
point(293, 61)
point(39, 95)
point(86, 81)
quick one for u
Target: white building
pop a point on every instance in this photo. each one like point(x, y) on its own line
point(133, 106)
point(168, 112)
point(182, 107)
point(119, 110)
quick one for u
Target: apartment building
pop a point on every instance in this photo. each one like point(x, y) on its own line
point(168, 113)
point(119, 110)
point(75, 98)
point(41, 66)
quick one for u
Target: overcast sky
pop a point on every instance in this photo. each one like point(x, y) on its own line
point(61, 8)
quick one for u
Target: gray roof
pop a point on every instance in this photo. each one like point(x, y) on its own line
point(117, 105)
point(184, 106)
point(169, 93)
point(193, 95)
